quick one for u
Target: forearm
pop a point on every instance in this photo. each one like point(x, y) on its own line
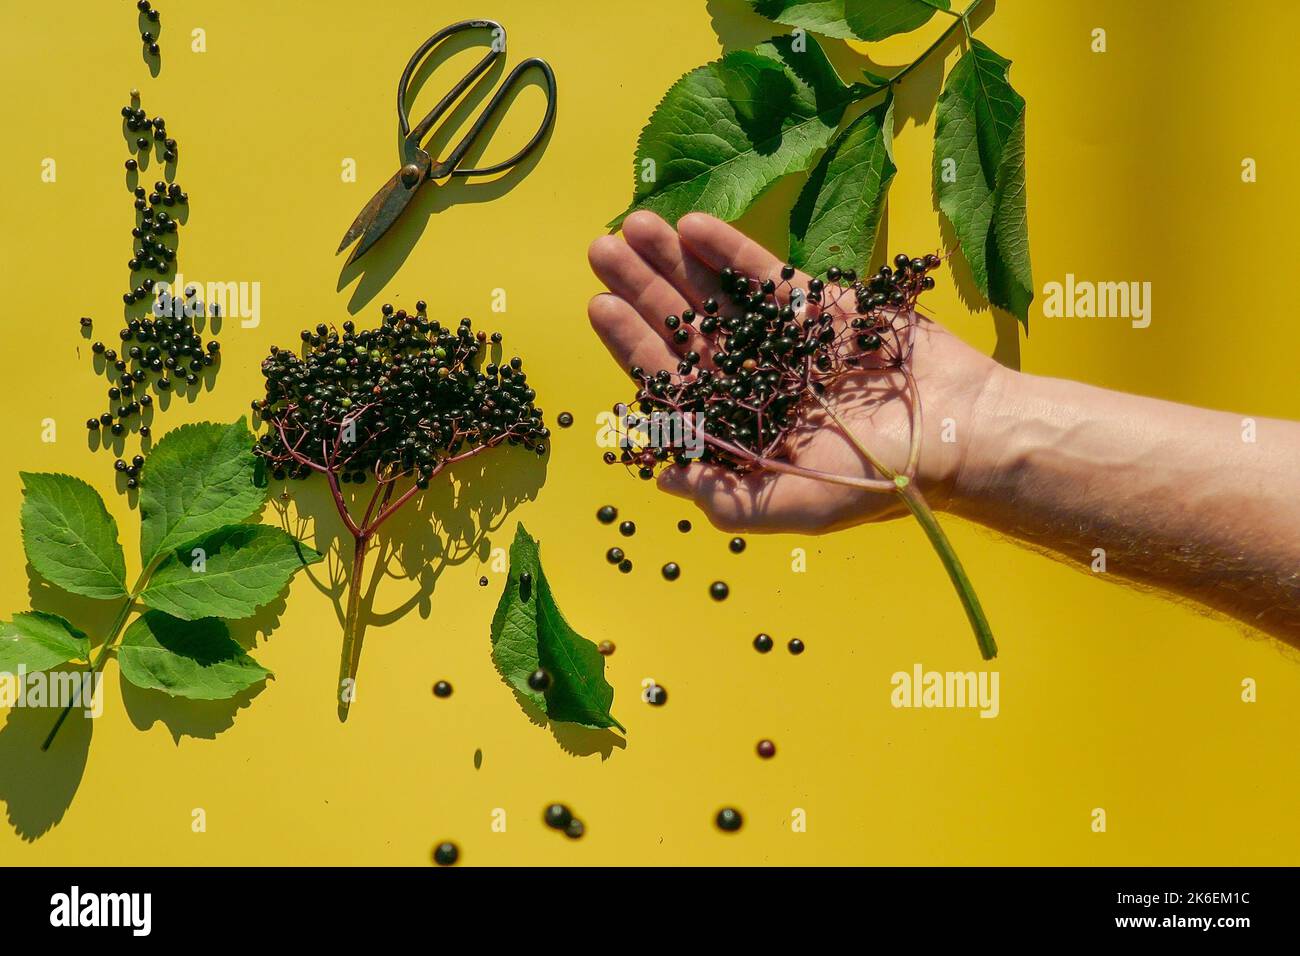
point(1173, 496)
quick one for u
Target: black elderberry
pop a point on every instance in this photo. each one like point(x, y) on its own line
point(718, 590)
point(736, 545)
point(625, 566)
point(627, 529)
point(683, 526)
point(442, 689)
point(607, 514)
point(672, 571)
point(729, 820)
point(539, 680)
point(446, 854)
point(557, 816)
point(614, 555)
point(795, 646)
point(762, 643)
point(656, 695)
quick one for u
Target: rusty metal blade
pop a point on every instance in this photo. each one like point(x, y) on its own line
point(368, 212)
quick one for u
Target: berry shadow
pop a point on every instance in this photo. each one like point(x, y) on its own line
point(380, 263)
point(448, 525)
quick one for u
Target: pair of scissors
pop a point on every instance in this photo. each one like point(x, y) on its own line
point(418, 166)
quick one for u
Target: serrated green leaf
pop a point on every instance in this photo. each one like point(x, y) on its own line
point(981, 128)
point(528, 632)
point(837, 216)
point(38, 641)
point(69, 536)
point(844, 19)
point(241, 567)
point(195, 659)
point(727, 131)
point(199, 478)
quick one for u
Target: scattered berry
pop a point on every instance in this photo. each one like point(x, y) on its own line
point(736, 545)
point(718, 590)
point(766, 749)
point(446, 854)
point(607, 514)
point(656, 695)
point(539, 680)
point(606, 647)
point(762, 643)
point(795, 646)
point(557, 816)
point(671, 571)
point(564, 419)
point(683, 526)
point(729, 820)
point(442, 689)
point(627, 529)
point(614, 555)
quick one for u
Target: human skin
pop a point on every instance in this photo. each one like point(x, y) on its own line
point(1176, 497)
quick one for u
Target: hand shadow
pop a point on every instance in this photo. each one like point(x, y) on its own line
point(380, 263)
point(447, 525)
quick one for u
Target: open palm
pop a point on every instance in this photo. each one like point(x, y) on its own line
point(653, 271)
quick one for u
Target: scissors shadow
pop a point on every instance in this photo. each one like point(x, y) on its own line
point(378, 266)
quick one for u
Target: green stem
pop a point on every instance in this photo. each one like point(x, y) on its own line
point(960, 21)
point(351, 646)
point(97, 663)
point(916, 503)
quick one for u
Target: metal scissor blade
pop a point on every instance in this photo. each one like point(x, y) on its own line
point(382, 210)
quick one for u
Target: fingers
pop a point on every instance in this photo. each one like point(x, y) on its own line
point(627, 336)
point(717, 245)
point(661, 248)
point(628, 276)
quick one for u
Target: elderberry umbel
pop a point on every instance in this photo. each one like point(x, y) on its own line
point(771, 348)
point(400, 401)
point(389, 408)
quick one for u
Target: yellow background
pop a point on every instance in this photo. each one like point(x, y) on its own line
point(1110, 698)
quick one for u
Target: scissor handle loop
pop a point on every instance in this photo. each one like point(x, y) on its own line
point(413, 137)
point(448, 166)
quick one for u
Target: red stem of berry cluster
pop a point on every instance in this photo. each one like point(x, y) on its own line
point(379, 509)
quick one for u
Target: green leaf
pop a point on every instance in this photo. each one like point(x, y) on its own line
point(199, 478)
point(727, 131)
point(195, 659)
point(981, 129)
point(241, 568)
point(39, 641)
point(863, 19)
point(529, 632)
point(69, 536)
point(837, 216)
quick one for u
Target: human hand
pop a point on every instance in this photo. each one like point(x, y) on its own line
point(653, 271)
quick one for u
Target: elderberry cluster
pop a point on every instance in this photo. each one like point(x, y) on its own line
point(749, 366)
point(398, 400)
